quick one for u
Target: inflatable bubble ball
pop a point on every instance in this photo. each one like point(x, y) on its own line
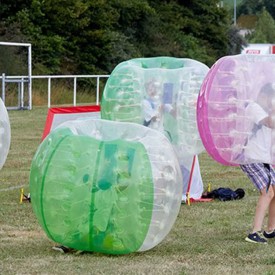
point(158, 92)
point(105, 186)
point(237, 93)
point(5, 134)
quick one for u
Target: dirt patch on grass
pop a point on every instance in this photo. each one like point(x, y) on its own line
point(10, 234)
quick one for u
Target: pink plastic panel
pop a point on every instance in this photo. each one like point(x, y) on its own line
point(232, 83)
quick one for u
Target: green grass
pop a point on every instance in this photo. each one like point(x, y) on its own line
point(207, 238)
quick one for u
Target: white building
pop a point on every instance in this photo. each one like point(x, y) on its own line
point(259, 49)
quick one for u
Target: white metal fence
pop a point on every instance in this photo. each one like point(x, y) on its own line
point(21, 80)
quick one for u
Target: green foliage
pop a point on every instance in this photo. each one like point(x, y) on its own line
point(10, 7)
point(256, 6)
point(211, 29)
point(270, 7)
point(18, 66)
point(93, 36)
point(230, 3)
point(250, 7)
point(265, 29)
point(194, 29)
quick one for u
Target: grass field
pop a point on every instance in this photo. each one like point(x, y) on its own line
point(207, 238)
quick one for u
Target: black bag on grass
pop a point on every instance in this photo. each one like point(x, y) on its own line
point(225, 194)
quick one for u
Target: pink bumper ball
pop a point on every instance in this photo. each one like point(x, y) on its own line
point(236, 110)
point(160, 93)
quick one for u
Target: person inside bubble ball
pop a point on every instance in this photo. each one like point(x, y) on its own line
point(262, 175)
point(151, 105)
point(154, 107)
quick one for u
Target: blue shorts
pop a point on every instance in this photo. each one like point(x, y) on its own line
point(260, 174)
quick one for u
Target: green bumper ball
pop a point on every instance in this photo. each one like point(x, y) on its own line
point(106, 186)
point(160, 93)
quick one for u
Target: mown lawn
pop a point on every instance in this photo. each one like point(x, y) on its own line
point(207, 238)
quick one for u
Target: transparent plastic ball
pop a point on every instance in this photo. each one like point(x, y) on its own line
point(106, 186)
point(236, 110)
point(160, 93)
point(5, 134)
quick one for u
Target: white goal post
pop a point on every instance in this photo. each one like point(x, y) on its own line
point(20, 81)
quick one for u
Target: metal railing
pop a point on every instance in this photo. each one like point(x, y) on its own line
point(20, 80)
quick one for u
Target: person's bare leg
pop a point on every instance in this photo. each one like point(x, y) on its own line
point(271, 213)
point(261, 208)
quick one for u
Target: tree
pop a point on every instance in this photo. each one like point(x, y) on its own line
point(270, 7)
point(194, 29)
point(120, 39)
point(265, 29)
point(93, 36)
point(256, 6)
point(11, 7)
point(209, 24)
point(250, 7)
